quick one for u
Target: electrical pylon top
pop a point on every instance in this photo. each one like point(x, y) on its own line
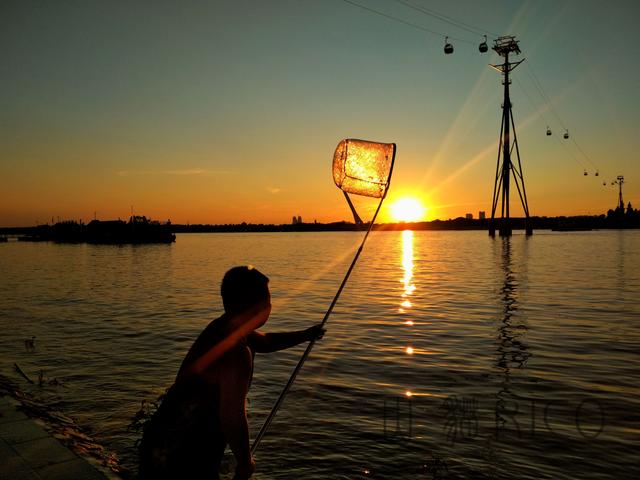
point(503, 46)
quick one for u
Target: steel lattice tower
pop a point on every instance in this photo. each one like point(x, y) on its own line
point(503, 46)
point(619, 181)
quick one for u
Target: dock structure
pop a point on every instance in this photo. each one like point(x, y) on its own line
point(29, 452)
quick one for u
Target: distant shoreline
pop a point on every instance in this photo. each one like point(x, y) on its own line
point(562, 223)
point(577, 223)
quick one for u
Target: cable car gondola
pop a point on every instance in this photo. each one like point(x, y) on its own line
point(548, 131)
point(566, 134)
point(597, 173)
point(448, 48)
point(483, 47)
point(585, 173)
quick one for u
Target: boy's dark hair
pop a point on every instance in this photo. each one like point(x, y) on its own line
point(242, 288)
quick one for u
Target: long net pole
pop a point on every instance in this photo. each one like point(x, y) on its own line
point(311, 344)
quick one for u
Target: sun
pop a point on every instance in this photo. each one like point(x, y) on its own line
point(407, 209)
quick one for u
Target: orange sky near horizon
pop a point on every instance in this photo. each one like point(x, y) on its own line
point(204, 114)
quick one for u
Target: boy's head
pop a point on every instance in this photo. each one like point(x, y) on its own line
point(242, 288)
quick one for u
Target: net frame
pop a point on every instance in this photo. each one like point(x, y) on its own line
point(362, 167)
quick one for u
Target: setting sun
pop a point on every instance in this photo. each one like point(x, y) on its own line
point(407, 209)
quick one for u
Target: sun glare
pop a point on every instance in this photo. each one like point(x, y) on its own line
point(407, 209)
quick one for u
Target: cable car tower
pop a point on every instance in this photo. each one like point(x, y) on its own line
point(619, 181)
point(503, 46)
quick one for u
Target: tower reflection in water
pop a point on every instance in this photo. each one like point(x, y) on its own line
point(512, 351)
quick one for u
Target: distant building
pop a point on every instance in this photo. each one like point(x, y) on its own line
point(469, 216)
point(482, 215)
point(294, 220)
point(299, 219)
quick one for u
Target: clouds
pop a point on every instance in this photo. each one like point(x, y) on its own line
point(182, 172)
point(273, 190)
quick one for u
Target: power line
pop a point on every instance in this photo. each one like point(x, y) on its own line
point(583, 152)
point(405, 22)
point(526, 93)
point(445, 18)
point(547, 100)
point(543, 94)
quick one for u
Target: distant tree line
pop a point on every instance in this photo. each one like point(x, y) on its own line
point(621, 217)
point(138, 229)
point(143, 230)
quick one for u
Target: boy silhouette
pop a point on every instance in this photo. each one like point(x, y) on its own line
point(204, 410)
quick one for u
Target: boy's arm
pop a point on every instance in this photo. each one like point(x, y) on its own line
point(272, 342)
point(234, 383)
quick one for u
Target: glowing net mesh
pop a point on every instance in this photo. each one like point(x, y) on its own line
point(362, 168)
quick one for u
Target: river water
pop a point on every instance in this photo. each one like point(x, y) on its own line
point(449, 354)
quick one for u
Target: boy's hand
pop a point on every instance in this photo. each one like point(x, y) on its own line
point(316, 332)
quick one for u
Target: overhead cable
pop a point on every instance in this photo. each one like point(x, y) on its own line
point(405, 22)
point(445, 18)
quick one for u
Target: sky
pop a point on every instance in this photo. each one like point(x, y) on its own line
point(230, 111)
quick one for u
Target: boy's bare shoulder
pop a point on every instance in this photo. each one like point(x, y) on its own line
point(236, 362)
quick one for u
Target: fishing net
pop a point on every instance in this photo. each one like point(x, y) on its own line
point(363, 168)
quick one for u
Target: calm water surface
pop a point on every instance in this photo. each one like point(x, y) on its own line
point(449, 355)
